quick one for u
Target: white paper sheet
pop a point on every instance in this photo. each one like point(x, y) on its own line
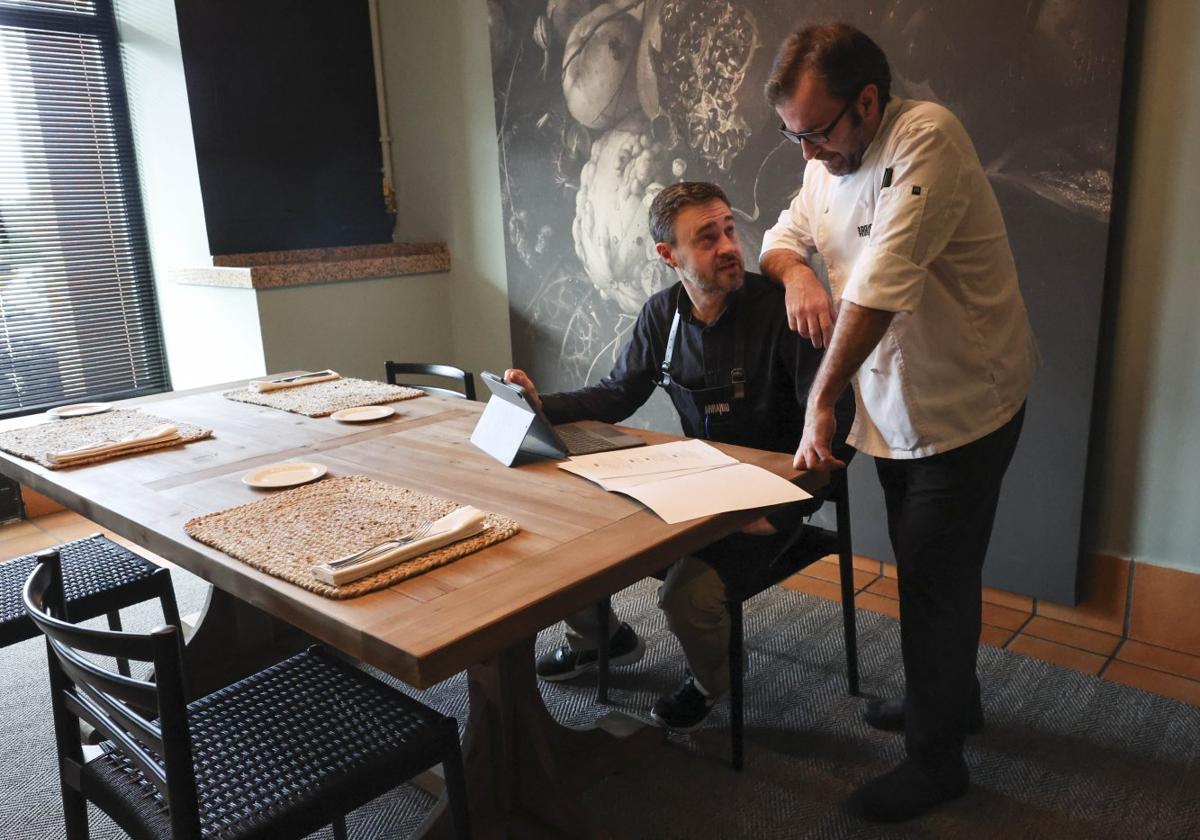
point(619, 485)
point(672, 457)
point(736, 487)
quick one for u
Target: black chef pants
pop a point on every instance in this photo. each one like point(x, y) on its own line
point(940, 513)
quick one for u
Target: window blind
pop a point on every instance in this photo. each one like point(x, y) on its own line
point(78, 318)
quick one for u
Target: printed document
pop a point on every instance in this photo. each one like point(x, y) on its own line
point(685, 479)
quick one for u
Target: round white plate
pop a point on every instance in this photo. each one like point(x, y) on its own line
point(363, 413)
point(79, 409)
point(283, 475)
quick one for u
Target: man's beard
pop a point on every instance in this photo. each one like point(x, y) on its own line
point(711, 286)
point(850, 162)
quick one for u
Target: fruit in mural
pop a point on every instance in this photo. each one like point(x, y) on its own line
point(692, 59)
point(625, 171)
point(563, 14)
point(598, 77)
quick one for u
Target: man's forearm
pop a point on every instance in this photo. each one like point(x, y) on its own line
point(608, 401)
point(782, 264)
point(858, 330)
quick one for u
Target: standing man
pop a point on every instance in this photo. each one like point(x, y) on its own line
point(718, 343)
point(928, 320)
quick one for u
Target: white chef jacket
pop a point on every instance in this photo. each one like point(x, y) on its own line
point(957, 360)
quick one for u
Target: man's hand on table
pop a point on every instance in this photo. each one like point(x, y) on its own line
point(758, 528)
point(519, 377)
point(815, 452)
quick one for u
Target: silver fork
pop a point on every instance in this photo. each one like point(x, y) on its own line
point(418, 533)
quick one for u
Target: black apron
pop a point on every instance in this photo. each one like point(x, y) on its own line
point(719, 413)
point(714, 413)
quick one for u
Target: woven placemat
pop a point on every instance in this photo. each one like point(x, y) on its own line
point(323, 398)
point(33, 443)
point(288, 533)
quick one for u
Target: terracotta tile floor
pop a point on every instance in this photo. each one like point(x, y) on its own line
point(1009, 621)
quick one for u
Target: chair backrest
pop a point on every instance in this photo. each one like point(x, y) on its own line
point(146, 721)
point(462, 377)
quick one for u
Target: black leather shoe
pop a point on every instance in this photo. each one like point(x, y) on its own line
point(904, 793)
point(562, 663)
point(888, 715)
point(685, 710)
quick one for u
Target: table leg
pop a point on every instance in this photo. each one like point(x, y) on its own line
point(232, 640)
point(526, 772)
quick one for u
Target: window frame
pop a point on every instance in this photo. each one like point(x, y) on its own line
point(102, 25)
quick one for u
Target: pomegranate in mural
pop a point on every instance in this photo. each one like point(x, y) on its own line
point(692, 59)
point(626, 169)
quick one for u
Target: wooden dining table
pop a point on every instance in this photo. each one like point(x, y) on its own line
point(481, 613)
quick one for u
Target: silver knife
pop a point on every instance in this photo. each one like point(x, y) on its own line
point(391, 545)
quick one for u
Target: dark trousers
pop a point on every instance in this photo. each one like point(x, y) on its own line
point(940, 513)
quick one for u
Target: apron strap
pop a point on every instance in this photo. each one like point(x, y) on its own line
point(664, 381)
point(737, 375)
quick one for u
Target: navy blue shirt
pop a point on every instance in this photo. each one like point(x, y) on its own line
point(779, 366)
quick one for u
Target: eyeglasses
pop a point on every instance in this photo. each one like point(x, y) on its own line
point(821, 136)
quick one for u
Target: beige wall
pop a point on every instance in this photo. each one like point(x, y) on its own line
point(438, 72)
point(1149, 476)
point(355, 327)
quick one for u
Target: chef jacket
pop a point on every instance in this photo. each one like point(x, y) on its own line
point(917, 231)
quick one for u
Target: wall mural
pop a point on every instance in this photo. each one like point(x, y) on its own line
point(599, 105)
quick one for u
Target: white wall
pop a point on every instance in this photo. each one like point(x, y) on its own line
point(1150, 508)
point(437, 66)
point(210, 334)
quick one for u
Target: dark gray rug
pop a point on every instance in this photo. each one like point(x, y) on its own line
point(1063, 756)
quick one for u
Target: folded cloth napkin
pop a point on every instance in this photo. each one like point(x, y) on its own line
point(263, 386)
point(457, 525)
point(158, 434)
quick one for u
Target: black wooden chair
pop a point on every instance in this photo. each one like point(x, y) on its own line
point(812, 544)
point(100, 578)
point(278, 754)
point(467, 382)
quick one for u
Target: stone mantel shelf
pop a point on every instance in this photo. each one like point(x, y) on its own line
point(277, 269)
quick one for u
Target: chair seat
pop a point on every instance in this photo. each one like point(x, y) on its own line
point(811, 545)
point(285, 751)
point(749, 564)
point(98, 575)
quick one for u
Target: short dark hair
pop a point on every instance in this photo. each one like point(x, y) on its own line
point(841, 55)
point(667, 204)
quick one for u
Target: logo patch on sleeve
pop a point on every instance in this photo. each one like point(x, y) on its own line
point(916, 191)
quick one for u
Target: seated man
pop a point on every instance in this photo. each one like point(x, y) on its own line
point(718, 342)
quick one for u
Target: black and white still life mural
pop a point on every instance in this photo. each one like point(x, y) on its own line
point(600, 104)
